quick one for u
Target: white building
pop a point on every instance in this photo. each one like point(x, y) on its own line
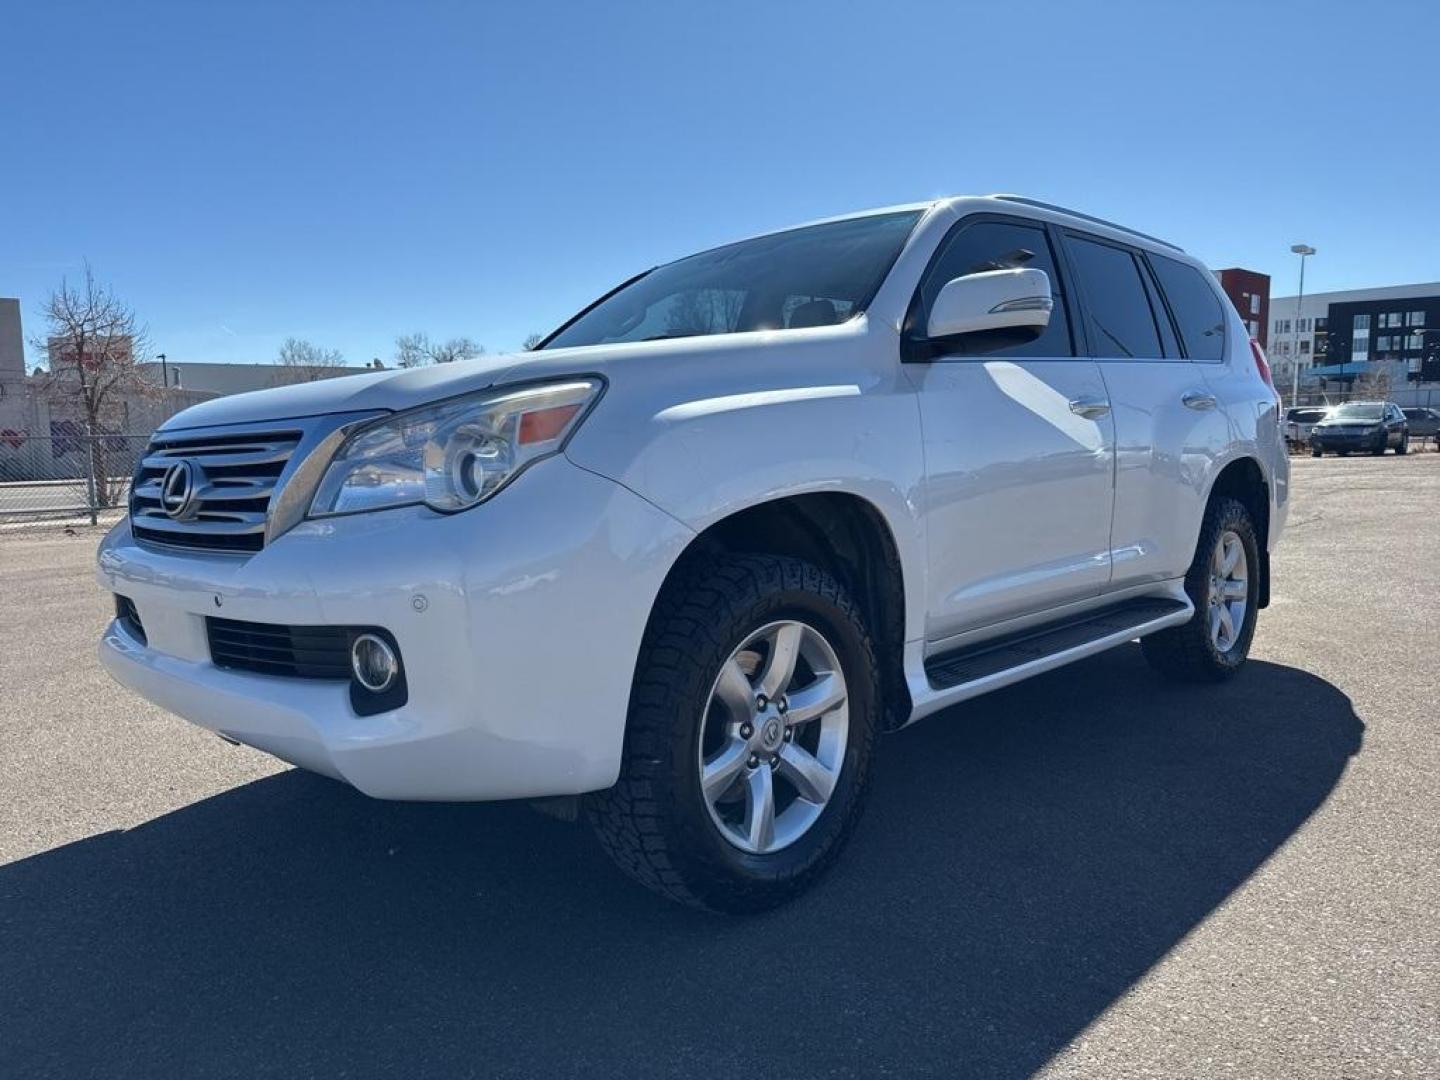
point(1303, 334)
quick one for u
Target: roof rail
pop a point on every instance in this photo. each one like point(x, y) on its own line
point(1088, 217)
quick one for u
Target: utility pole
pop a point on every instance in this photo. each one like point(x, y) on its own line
point(1302, 250)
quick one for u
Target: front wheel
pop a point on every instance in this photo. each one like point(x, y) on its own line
point(1315, 451)
point(1404, 447)
point(748, 744)
point(1224, 584)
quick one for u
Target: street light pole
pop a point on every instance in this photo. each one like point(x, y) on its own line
point(1420, 332)
point(165, 372)
point(1302, 250)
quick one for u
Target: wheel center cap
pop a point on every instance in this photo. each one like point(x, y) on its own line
point(772, 732)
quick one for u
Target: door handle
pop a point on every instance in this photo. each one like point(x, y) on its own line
point(1198, 400)
point(1090, 408)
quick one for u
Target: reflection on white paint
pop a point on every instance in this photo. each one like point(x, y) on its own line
point(688, 410)
point(524, 582)
point(1044, 401)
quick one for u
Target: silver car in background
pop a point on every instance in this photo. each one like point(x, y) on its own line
point(1299, 421)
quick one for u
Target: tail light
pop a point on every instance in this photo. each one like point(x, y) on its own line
point(1261, 364)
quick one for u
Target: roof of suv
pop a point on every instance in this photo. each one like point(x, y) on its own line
point(1007, 203)
point(1089, 219)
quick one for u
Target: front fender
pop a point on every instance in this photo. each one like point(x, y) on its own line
point(704, 452)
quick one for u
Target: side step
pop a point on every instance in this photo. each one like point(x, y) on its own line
point(999, 662)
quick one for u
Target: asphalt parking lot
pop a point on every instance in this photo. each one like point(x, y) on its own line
point(1093, 874)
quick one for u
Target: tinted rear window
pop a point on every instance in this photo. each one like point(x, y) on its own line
point(1195, 306)
point(1115, 298)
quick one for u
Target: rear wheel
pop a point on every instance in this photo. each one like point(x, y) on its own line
point(1224, 585)
point(748, 743)
point(1315, 451)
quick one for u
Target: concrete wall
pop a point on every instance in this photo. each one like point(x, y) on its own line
point(232, 378)
point(12, 367)
point(12, 341)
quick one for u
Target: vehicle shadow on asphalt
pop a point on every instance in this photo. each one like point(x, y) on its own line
point(1024, 860)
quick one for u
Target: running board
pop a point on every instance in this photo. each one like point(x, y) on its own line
point(977, 669)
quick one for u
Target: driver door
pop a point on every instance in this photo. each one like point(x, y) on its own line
point(1019, 449)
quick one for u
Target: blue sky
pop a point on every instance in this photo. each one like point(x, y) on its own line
point(245, 172)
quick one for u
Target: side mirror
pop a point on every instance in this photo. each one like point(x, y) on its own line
point(1015, 302)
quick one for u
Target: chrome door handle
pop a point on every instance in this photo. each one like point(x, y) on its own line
point(1198, 400)
point(1090, 408)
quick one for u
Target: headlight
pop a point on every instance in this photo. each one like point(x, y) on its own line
point(452, 455)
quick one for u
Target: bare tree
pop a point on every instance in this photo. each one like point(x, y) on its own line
point(300, 361)
point(416, 350)
point(704, 311)
point(531, 340)
point(1371, 386)
point(91, 341)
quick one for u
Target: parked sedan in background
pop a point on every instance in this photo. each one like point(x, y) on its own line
point(1299, 421)
point(1423, 423)
point(1361, 425)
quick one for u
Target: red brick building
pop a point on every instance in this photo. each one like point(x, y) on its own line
point(1249, 291)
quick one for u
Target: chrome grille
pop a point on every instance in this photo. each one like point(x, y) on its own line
point(231, 480)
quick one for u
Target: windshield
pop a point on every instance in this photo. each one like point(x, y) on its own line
point(1360, 410)
point(815, 276)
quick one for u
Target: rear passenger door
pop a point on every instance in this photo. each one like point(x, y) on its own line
point(1151, 348)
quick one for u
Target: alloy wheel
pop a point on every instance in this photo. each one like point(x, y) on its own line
point(773, 737)
point(1229, 593)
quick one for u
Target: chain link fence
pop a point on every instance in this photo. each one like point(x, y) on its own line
point(66, 475)
point(1406, 397)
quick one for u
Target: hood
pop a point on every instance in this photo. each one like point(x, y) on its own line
point(389, 390)
point(409, 388)
point(1349, 421)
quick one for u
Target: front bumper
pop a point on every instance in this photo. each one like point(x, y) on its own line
point(1332, 441)
point(518, 623)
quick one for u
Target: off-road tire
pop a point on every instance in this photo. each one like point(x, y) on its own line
point(1187, 653)
point(654, 822)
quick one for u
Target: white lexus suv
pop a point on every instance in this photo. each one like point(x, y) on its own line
point(677, 568)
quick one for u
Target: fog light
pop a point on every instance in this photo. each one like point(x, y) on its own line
point(374, 663)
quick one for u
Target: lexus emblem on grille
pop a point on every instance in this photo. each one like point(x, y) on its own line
point(177, 488)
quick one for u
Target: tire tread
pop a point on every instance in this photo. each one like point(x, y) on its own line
point(635, 820)
point(1185, 653)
